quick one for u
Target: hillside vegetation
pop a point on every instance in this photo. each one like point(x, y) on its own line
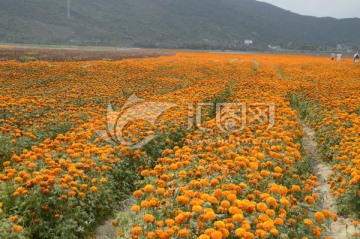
point(170, 23)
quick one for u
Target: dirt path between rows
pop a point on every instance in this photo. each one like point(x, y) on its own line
point(343, 228)
point(106, 231)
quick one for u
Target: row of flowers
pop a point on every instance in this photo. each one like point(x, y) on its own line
point(222, 187)
point(330, 101)
point(59, 178)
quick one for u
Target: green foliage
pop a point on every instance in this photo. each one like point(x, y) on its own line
point(357, 111)
point(307, 110)
point(221, 98)
point(55, 130)
point(5, 149)
point(8, 233)
point(255, 66)
point(162, 141)
point(27, 58)
point(126, 92)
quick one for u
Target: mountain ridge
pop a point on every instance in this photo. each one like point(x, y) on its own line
point(171, 24)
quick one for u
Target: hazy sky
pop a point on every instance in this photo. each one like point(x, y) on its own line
point(320, 8)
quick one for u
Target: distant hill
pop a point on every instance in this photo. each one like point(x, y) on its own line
point(170, 23)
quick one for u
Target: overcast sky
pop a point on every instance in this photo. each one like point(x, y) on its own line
point(320, 8)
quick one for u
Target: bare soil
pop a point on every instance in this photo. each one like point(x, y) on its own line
point(25, 54)
point(342, 228)
point(106, 231)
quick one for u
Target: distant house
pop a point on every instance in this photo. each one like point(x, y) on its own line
point(248, 42)
point(274, 47)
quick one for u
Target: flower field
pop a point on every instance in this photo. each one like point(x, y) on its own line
point(202, 173)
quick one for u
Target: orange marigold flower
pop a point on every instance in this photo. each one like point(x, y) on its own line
point(197, 208)
point(137, 193)
point(203, 236)
point(261, 207)
point(183, 200)
point(308, 222)
point(231, 197)
point(268, 225)
point(93, 189)
point(326, 213)
point(235, 210)
point(148, 218)
point(319, 216)
point(18, 179)
point(135, 208)
point(225, 204)
point(271, 201)
point(160, 191)
point(71, 194)
point(13, 218)
point(210, 216)
point(261, 233)
point(216, 235)
point(270, 212)
point(238, 217)
point(148, 188)
point(212, 200)
point(219, 224)
point(309, 200)
point(284, 202)
point(279, 221)
point(240, 232)
point(145, 204)
point(169, 222)
point(159, 223)
point(81, 195)
point(317, 231)
point(355, 223)
point(136, 230)
point(274, 232)
point(17, 228)
point(295, 188)
point(183, 233)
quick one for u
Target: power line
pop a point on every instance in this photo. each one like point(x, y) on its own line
point(68, 9)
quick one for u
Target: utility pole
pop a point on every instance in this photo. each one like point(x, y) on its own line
point(68, 9)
